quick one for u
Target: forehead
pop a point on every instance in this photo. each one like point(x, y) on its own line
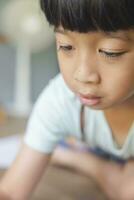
point(121, 34)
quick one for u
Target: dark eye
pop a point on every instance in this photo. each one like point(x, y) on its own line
point(66, 47)
point(111, 54)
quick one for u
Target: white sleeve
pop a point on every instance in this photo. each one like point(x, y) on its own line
point(46, 124)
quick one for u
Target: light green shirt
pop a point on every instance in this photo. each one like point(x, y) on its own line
point(57, 114)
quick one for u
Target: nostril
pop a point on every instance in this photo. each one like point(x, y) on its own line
point(87, 77)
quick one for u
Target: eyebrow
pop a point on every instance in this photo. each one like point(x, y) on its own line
point(116, 35)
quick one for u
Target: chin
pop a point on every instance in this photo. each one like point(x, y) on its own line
point(99, 107)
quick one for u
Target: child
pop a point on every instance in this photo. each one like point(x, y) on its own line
point(92, 99)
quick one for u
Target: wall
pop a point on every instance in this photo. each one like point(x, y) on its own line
point(43, 67)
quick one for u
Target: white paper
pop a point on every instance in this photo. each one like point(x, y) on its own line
point(9, 147)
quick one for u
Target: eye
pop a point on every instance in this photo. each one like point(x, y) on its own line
point(65, 48)
point(111, 54)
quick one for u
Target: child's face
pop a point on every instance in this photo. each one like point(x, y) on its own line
point(98, 67)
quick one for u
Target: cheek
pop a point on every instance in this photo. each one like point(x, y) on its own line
point(66, 72)
point(120, 83)
point(66, 67)
point(68, 76)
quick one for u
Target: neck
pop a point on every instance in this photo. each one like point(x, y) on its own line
point(120, 118)
point(121, 110)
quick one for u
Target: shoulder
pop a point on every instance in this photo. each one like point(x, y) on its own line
point(54, 116)
point(55, 94)
point(56, 103)
point(57, 85)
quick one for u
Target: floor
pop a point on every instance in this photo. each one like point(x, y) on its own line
point(57, 183)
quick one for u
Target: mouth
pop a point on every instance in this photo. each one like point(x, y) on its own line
point(90, 100)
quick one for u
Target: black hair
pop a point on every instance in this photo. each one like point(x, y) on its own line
point(90, 15)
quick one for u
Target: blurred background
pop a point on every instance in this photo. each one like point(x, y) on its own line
point(27, 61)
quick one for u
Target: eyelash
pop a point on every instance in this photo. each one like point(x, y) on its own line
point(107, 54)
point(65, 48)
point(111, 54)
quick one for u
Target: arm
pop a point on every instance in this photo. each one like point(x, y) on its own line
point(117, 181)
point(23, 176)
point(108, 175)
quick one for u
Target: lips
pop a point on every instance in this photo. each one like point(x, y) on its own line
point(88, 96)
point(89, 99)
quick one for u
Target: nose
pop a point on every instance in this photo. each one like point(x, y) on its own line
point(87, 72)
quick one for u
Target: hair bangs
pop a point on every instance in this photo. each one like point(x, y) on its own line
point(90, 15)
